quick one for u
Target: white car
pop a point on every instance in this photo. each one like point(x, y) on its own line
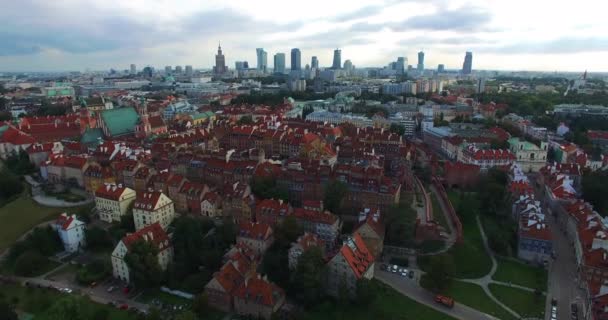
point(65, 290)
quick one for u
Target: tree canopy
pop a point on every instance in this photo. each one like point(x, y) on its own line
point(335, 191)
point(144, 269)
point(307, 280)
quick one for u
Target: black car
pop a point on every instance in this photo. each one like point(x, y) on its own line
point(554, 302)
point(411, 274)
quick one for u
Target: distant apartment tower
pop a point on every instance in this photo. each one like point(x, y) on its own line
point(262, 57)
point(133, 69)
point(296, 59)
point(481, 85)
point(420, 65)
point(441, 68)
point(178, 69)
point(189, 70)
point(314, 62)
point(168, 69)
point(239, 65)
point(337, 59)
point(401, 65)
point(220, 62)
point(279, 63)
point(467, 66)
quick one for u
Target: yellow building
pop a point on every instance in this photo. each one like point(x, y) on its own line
point(113, 201)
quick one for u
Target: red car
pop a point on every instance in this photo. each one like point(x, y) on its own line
point(123, 307)
point(446, 301)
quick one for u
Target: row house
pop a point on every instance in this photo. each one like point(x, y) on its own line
point(142, 178)
point(113, 201)
point(13, 141)
point(237, 288)
point(96, 175)
point(371, 228)
point(153, 207)
point(65, 169)
point(257, 236)
point(352, 263)
point(193, 194)
point(534, 240)
point(237, 202)
point(211, 206)
point(322, 223)
point(125, 171)
point(272, 212)
point(304, 243)
point(485, 158)
point(153, 234)
point(40, 152)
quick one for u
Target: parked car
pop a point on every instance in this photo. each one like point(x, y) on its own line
point(123, 306)
point(383, 267)
point(444, 300)
point(411, 274)
point(111, 288)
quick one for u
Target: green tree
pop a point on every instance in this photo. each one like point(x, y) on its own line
point(335, 191)
point(101, 314)
point(365, 292)
point(10, 185)
point(397, 128)
point(267, 188)
point(287, 232)
point(143, 264)
point(98, 239)
point(29, 263)
point(68, 308)
point(439, 276)
point(595, 189)
point(307, 280)
point(200, 305)
point(245, 120)
point(7, 312)
point(186, 315)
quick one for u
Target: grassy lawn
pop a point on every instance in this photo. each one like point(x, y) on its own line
point(38, 301)
point(438, 213)
point(527, 304)
point(149, 295)
point(20, 216)
point(48, 266)
point(521, 274)
point(389, 304)
point(473, 296)
point(470, 258)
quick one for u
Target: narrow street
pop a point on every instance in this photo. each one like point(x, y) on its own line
point(563, 274)
point(412, 290)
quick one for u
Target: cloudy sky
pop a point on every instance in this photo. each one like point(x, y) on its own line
point(101, 34)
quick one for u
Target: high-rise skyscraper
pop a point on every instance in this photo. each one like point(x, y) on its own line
point(296, 59)
point(220, 62)
point(133, 69)
point(337, 59)
point(279, 63)
point(314, 62)
point(441, 68)
point(262, 59)
point(401, 65)
point(420, 66)
point(188, 70)
point(467, 66)
point(239, 65)
point(178, 69)
point(167, 69)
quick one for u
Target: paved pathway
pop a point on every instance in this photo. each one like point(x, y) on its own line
point(409, 288)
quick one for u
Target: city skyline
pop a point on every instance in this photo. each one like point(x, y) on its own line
point(105, 34)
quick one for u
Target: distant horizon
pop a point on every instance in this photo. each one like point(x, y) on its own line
point(516, 35)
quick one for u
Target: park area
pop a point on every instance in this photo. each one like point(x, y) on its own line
point(20, 215)
point(515, 272)
point(388, 304)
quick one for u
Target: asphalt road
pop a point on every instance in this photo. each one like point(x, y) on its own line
point(411, 289)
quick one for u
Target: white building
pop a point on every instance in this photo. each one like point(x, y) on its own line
point(71, 232)
point(113, 201)
point(152, 207)
point(153, 234)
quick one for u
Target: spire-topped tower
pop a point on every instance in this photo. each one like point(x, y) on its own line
point(220, 61)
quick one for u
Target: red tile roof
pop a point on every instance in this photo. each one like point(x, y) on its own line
point(257, 231)
point(147, 200)
point(315, 216)
point(357, 255)
point(64, 221)
point(153, 233)
point(260, 291)
point(110, 191)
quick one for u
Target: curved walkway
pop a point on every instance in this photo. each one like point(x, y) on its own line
point(58, 203)
point(486, 280)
